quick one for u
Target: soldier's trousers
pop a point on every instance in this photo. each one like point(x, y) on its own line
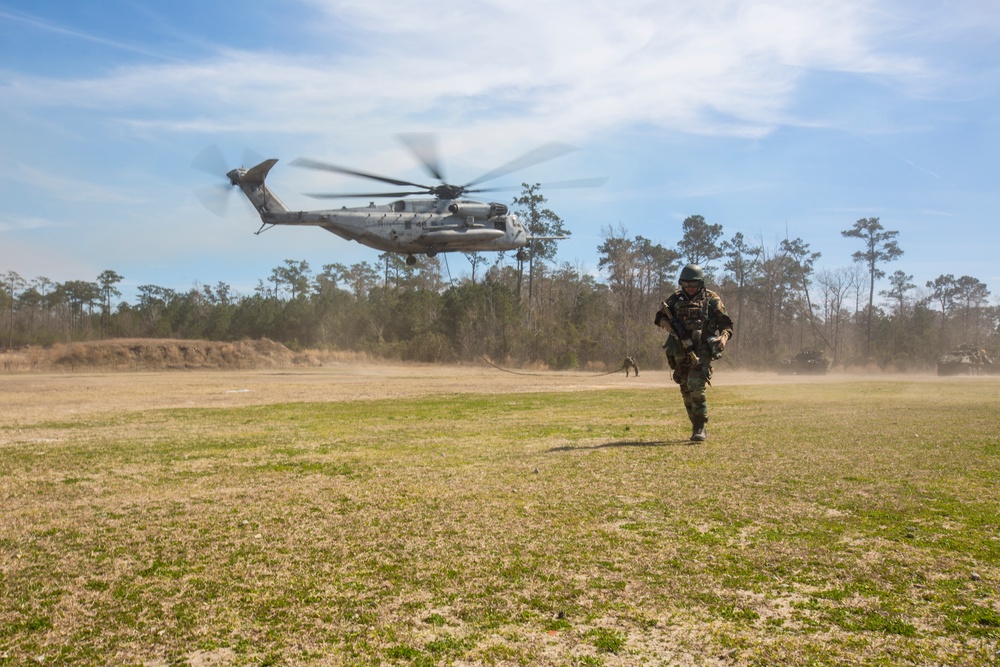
point(693, 380)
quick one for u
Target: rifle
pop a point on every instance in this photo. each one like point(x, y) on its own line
point(666, 314)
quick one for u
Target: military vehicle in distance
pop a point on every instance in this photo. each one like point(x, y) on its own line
point(967, 360)
point(806, 362)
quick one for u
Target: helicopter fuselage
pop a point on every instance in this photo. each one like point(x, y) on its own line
point(417, 226)
point(411, 226)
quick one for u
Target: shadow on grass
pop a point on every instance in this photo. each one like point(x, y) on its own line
point(630, 443)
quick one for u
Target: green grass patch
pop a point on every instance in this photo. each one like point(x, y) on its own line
point(823, 524)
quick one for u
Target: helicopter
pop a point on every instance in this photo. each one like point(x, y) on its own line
point(443, 220)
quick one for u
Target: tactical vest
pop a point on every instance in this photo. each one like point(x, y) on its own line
point(692, 314)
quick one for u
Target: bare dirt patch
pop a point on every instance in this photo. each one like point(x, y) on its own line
point(138, 374)
point(56, 395)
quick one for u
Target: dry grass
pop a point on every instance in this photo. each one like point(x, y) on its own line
point(150, 354)
point(557, 519)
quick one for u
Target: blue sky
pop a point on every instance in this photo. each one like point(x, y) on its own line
point(769, 117)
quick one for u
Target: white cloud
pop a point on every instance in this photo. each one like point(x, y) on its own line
point(723, 67)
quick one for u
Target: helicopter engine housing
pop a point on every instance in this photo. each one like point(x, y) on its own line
point(477, 210)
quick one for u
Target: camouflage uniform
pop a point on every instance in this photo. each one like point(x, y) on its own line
point(704, 316)
point(630, 364)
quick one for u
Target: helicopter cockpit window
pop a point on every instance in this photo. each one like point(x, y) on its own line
point(398, 206)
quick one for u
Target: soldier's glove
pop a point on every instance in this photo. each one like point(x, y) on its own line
point(662, 319)
point(693, 359)
point(718, 345)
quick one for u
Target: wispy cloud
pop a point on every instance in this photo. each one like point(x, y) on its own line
point(48, 26)
point(10, 224)
point(727, 68)
point(64, 188)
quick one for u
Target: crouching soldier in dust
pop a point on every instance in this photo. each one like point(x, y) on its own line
point(699, 329)
point(630, 364)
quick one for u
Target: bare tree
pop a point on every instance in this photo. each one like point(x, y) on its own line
point(834, 286)
point(638, 271)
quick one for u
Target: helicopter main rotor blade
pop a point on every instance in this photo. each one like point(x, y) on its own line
point(325, 166)
point(424, 147)
point(330, 195)
point(555, 185)
point(543, 153)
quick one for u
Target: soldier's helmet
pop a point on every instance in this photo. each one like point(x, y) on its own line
point(690, 273)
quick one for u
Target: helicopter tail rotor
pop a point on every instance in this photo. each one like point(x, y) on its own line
point(213, 197)
point(211, 161)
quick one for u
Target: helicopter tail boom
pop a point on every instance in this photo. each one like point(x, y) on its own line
point(251, 182)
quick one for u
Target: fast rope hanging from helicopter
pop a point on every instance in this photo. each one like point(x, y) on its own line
point(507, 370)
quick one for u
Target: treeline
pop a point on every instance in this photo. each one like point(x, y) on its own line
point(537, 311)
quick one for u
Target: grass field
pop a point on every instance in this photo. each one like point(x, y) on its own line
point(853, 522)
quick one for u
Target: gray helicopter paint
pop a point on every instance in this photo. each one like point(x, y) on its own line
point(410, 226)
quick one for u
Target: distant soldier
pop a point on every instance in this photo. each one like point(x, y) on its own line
point(699, 329)
point(979, 359)
point(631, 365)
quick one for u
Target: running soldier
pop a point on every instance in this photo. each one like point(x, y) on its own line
point(699, 329)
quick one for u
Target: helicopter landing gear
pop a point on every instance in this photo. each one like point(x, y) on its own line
point(432, 252)
point(522, 256)
point(410, 260)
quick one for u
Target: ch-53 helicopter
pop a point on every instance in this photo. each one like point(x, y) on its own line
point(445, 223)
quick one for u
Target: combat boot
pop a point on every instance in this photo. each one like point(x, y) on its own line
point(698, 433)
